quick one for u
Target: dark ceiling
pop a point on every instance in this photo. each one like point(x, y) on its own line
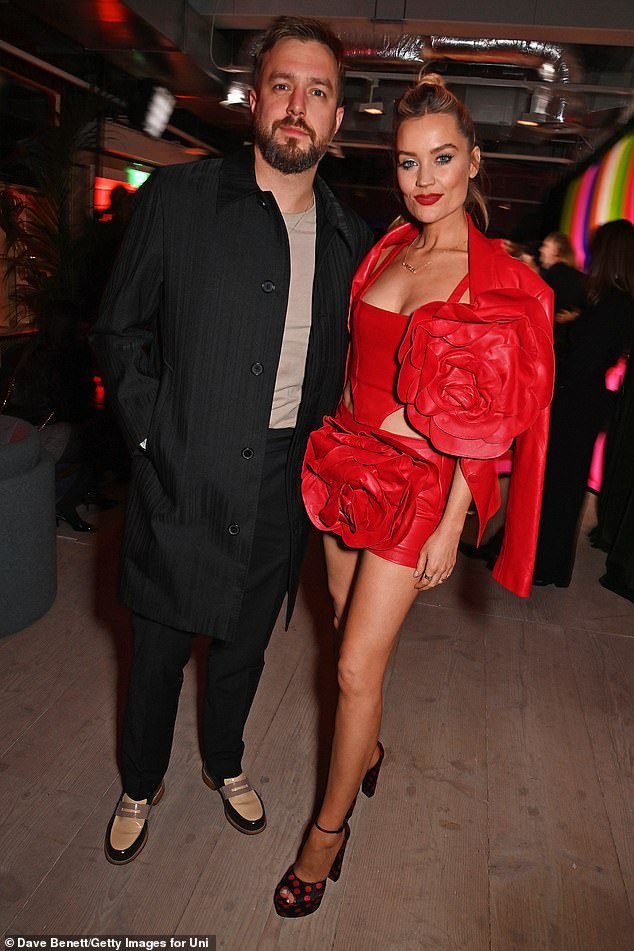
point(579, 94)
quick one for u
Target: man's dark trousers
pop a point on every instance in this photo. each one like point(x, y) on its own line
point(234, 667)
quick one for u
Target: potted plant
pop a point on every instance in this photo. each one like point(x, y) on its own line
point(39, 254)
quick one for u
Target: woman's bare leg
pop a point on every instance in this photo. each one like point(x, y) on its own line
point(381, 598)
point(341, 563)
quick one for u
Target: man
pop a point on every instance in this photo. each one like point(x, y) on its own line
point(223, 339)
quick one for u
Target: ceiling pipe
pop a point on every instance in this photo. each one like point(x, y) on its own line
point(555, 63)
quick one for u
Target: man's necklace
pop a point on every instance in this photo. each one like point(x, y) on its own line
point(430, 260)
point(300, 219)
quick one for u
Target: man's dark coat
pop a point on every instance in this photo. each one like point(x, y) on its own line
point(189, 340)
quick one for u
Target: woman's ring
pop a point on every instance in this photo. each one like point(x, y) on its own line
point(427, 577)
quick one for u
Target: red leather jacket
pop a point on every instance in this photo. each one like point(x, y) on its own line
point(492, 269)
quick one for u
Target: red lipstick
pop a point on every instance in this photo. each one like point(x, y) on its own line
point(427, 199)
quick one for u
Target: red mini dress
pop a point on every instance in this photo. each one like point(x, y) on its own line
point(473, 379)
point(376, 489)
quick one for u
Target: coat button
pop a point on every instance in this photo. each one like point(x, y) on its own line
point(268, 286)
point(257, 369)
point(262, 203)
point(234, 529)
point(247, 453)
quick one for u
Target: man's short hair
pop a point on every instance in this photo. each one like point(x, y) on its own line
point(299, 28)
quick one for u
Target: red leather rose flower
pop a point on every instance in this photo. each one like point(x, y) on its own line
point(362, 488)
point(474, 376)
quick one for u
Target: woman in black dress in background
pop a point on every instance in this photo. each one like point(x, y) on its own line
point(581, 404)
point(614, 532)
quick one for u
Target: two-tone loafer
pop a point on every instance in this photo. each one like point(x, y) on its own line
point(127, 830)
point(243, 807)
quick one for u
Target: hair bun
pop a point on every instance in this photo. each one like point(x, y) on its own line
point(430, 79)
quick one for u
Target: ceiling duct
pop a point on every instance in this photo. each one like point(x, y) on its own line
point(401, 49)
point(554, 64)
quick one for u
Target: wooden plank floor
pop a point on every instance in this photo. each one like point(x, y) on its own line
point(503, 819)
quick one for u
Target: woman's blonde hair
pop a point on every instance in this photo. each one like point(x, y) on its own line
point(430, 96)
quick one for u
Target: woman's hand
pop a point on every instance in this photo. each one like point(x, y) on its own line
point(437, 557)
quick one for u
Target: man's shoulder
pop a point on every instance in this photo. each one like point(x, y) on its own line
point(188, 173)
point(354, 218)
point(351, 223)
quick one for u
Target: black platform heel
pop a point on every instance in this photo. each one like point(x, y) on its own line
point(309, 895)
point(368, 786)
point(69, 515)
point(337, 865)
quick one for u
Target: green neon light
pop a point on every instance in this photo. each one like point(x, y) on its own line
point(136, 177)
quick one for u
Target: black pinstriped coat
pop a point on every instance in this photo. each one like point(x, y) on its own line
point(189, 340)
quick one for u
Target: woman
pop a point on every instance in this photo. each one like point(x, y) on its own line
point(615, 530)
point(455, 381)
point(581, 404)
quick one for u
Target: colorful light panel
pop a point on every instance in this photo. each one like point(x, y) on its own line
point(604, 192)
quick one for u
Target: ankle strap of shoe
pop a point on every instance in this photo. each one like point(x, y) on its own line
point(329, 831)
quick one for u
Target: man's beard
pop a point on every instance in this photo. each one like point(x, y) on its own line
point(288, 157)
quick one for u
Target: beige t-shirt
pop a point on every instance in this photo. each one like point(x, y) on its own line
point(302, 233)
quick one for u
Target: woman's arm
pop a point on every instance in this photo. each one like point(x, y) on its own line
point(438, 555)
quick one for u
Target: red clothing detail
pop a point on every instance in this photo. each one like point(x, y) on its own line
point(474, 376)
point(375, 337)
point(376, 490)
point(473, 379)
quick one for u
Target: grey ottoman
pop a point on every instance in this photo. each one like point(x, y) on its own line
point(28, 566)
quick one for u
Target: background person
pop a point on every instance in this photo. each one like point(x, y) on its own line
point(581, 403)
point(52, 386)
point(559, 270)
point(615, 530)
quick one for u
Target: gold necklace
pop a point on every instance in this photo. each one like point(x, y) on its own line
point(430, 260)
